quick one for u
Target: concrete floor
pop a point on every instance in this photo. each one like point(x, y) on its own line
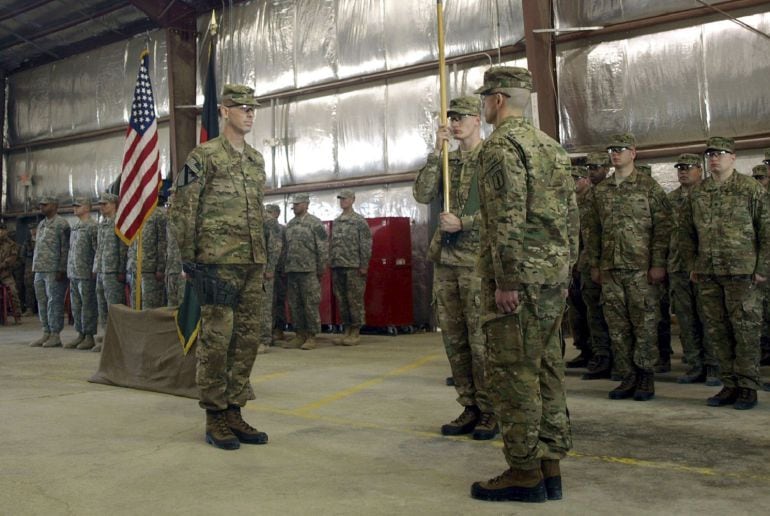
point(353, 431)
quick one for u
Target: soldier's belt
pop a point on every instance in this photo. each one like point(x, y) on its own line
point(210, 289)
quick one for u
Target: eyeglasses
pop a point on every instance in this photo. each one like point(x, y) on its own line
point(458, 118)
point(616, 150)
point(716, 153)
point(684, 166)
point(766, 162)
point(594, 167)
point(760, 177)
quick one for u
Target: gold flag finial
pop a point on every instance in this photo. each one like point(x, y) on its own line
point(213, 23)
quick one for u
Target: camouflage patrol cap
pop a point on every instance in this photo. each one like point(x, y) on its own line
point(644, 168)
point(759, 171)
point(48, 199)
point(82, 201)
point(500, 78)
point(465, 106)
point(622, 140)
point(238, 95)
point(722, 143)
point(346, 194)
point(688, 159)
point(578, 172)
point(108, 197)
point(272, 208)
point(300, 198)
point(598, 158)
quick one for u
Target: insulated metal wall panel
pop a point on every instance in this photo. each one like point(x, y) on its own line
point(411, 33)
point(315, 42)
point(581, 13)
point(310, 140)
point(470, 26)
point(412, 103)
point(360, 37)
point(361, 132)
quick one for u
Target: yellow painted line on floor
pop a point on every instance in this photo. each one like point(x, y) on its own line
point(365, 385)
point(268, 377)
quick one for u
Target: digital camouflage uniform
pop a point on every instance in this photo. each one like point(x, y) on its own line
point(279, 286)
point(9, 257)
point(307, 251)
point(80, 264)
point(529, 227)
point(26, 254)
point(51, 249)
point(629, 227)
point(350, 250)
point(456, 285)
point(109, 264)
point(217, 216)
point(174, 281)
point(273, 247)
point(725, 239)
point(154, 250)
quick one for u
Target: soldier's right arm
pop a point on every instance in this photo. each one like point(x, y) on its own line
point(592, 230)
point(183, 211)
point(426, 185)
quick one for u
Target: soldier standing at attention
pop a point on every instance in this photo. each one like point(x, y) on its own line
point(725, 244)
point(27, 253)
point(109, 264)
point(629, 228)
point(524, 186)
point(154, 251)
point(50, 267)
point(760, 173)
point(174, 280)
point(9, 257)
point(80, 264)
point(453, 251)
point(307, 250)
point(350, 252)
point(274, 245)
point(577, 313)
point(698, 352)
point(217, 216)
point(279, 283)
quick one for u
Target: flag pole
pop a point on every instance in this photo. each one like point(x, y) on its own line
point(443, 100)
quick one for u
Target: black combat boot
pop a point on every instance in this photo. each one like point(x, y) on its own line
point(245, 433)
point(579, 361)
point(747, 399)
point(450, 381)
point(465, 422)
point(727, 396)
point(551, 478)
point(663, 365)
point(514, 485)
point(599, 367)
point(626, 389)
point(486, 428)
point(712, 376)
point(218, 433)
point(645, 389)
point(694, 375)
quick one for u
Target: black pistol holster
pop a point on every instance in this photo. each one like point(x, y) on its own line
point(209, 288)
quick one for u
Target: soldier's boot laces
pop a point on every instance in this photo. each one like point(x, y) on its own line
point(54, 341)
point(87, 343)
point(712, 376)
point(218, 433)
point(645, 389)
point(626, 389)
point(74, 343)
point(353, 338)
point(727, 396)
point(696, 374)
point(39, 342)
point(464, 423)
point(579, 361)
point(295, 342)
point(551, 478)
point(486, 428)
point(514, 485)
point(747, 399)
point(599, 367)
point(245, 433)
point(309, 343)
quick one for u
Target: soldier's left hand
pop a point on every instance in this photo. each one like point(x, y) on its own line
point(507, 301)
point(450, 223)
point(159, 276)
point(656, 275)
point(758, 278)
point(61, 276)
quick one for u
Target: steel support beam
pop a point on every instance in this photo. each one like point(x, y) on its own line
point(167, 14)
point(541, 59)
point(182, 59)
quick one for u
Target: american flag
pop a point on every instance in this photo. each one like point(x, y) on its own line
point(140, 178)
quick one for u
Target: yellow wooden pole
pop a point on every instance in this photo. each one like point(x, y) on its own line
point(443, 99)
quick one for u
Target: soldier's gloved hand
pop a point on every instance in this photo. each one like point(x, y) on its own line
point(656, 275)
point(122, 277)
point(159, 276)
point(450, 223)
point(443, 134)
point(61, 276)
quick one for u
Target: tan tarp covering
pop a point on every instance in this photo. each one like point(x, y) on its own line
point(141, 350)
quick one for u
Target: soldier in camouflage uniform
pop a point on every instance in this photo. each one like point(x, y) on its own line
point(50, 267)
point(307, 251)
point(279, 284)
point(725, 243)
point(9, 257)
point(109, 263)
point(629, 227)
point(174, 280)
point(217, 216)
point(154, 249)
point(27, 253)
point(760, 173)
point(699, 355)
point(524, 187)
point(577, 314)
point(453, 250)
point(80, 264)
point(350, 252)
point(274, 247)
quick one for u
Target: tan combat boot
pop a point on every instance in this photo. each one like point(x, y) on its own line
point(218, 432)
point(245, 433)
point(278, 334)
point(39, 342)
point(514, 485)
point(353, 338)
point(486, 428)
point(309, 342)
point(54, 341)
point(296, 342)
point(74, 343)
point(88, 342)
point(340, 341)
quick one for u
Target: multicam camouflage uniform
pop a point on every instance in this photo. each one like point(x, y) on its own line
point(529, 228)
point(174, 281)
point(273, 246)
point(153, 261)
point(9, 256)
point(217, 216)
point(578, 311)
point(27, 253)
point(725, 239)
point(350, 251)
point(50, 260)
point(456, 286)
point(80, 264)
point(110, 267)
point(760, 173)
point(307, 250)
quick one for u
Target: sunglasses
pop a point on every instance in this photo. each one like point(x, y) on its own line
point(617, 150)
point(716, 153)
point(458, 118)
point(683, 166)
point(594, 167)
